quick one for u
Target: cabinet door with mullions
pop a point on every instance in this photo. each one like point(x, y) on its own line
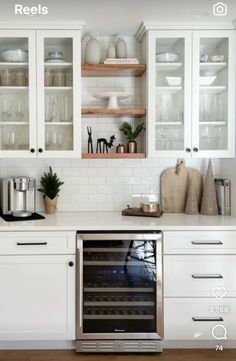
point(169, 108)
point(213, 110)
point(58, 80)
point(17, 93)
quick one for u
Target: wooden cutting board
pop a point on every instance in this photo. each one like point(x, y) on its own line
point(174, 185)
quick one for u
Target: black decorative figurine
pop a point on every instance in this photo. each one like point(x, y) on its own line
point(103, 144)
point(90, 140)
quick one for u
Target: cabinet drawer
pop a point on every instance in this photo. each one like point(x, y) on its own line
point(37, 243)
point(179, 314)
point(200, 242)
point(196, 276)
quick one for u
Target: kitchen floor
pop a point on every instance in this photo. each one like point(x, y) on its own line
point(70, 355)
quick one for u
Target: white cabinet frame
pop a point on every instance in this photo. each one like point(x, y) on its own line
point(201, 34)
point(30, 34)
point(151, 91)
point(76, 47)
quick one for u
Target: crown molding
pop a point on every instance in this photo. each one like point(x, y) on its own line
point(151, 25)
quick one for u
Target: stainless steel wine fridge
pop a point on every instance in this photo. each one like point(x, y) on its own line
point(119, 292)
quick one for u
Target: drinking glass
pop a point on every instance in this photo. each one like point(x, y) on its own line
point(19, 111)
point(9, 140)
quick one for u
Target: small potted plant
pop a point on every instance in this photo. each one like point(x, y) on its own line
point(50, 187)
point(131, 135)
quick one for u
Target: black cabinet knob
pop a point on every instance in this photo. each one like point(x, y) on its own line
point(40, 150)
point(195, 149)
point(71, 264)
point(188, 150)
point(32, 150)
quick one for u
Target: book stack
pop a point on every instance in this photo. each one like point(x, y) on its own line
point(223, 195)
point(121, 61)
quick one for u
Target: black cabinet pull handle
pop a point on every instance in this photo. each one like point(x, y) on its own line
point(31, 243)
point(195, 149)
point(40, 150)
point(188, 150)
point(214, 243)
point(71, 264)
point(32, 150)
point(213, 276)
point(207, 319)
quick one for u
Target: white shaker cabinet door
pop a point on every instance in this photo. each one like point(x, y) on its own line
point(37, 299)
point(198, 275)
point(194, 319)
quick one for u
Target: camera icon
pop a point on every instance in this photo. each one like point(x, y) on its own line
point(220, 9)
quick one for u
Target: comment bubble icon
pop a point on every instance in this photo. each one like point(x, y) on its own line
point(219, 332)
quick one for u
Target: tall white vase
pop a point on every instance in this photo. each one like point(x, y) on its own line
point(121, 49)
point(93, 52)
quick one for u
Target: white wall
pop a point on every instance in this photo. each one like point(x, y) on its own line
point(99, 185)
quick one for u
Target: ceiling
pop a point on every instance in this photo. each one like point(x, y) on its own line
point(120, 16)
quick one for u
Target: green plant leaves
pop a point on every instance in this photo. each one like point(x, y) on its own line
point(129, 132)
point(50, 184)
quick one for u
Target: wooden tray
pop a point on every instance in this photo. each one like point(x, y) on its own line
point(139, 213)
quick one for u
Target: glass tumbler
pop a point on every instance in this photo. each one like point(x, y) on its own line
point(20, 79)
point(59, 78)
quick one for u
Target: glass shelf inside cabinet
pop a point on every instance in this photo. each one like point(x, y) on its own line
point(58, 85)
point(213, 94)
point(169, 96)
point(14, 94)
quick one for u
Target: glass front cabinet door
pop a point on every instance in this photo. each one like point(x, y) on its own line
point(58, 93)
point(169, 94)
point(213, 105)
point(17, 93)
point(191, 93)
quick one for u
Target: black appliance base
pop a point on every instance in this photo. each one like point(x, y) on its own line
point(11, 218)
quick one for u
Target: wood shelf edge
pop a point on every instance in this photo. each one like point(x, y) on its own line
point(116, 70)
point(136, 112)
point(113, 155)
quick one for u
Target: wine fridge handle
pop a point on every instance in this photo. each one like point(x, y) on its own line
point(80, 279)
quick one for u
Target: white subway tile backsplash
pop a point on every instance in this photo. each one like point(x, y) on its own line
point(100, 185)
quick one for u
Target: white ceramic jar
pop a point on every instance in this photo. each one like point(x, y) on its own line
point(111, 51)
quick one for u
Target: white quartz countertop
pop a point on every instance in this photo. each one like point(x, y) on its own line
point(111, 221)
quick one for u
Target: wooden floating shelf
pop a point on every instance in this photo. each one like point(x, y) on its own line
point(113, 155)
point(114, 70)
point(136, 112)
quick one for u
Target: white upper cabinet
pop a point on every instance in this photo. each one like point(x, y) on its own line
point(17, 93)
point(191, 93)
point(40, 93)
point(213, 105)
point(58, 93)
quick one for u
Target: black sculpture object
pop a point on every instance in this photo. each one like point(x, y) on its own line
point(103, 144)
point(90, 140)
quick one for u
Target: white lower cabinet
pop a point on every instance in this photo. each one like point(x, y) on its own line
point(37, 293)
point(194, 319)
point(199, 286)
point(196, 276)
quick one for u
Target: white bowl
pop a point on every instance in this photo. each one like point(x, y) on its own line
point(15, 55)
point(174, 80)
point(207, 80)
point(167, 57)
point(217, 58)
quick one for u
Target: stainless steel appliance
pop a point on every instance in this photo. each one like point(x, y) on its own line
point(119, 292)
point(18, 196)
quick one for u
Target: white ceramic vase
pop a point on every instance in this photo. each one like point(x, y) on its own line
point(121, 49)
point(111, 51)
point(93, 52)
